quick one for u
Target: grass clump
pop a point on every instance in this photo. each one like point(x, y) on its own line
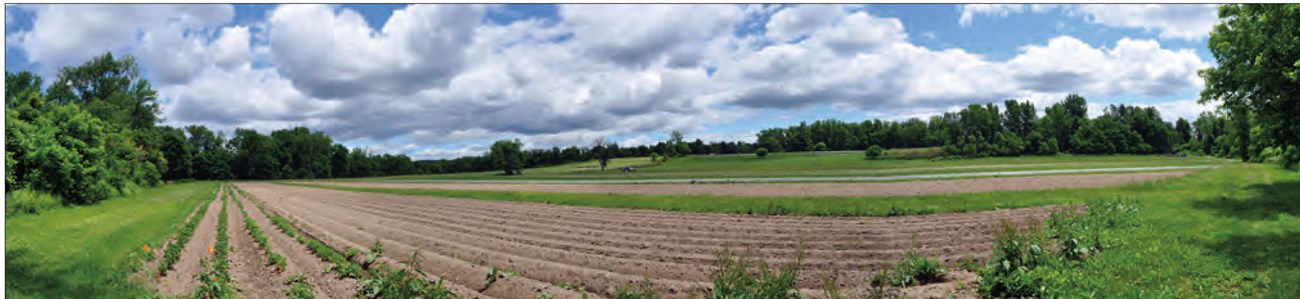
point(24, 201)
point(912, 270)
point(741, 277)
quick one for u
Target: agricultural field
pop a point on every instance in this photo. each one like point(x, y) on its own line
point(812, 165)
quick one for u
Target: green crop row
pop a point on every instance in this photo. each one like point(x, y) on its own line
point(272, 258)
point(173, 252)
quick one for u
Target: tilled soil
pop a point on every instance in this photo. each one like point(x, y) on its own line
point(602, 249)
point(299, 259)
point(180, 279)
point(807, 189)
point(253, 278)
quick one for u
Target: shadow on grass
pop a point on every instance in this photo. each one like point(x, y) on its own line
point(1266, 203)
point(27, 277)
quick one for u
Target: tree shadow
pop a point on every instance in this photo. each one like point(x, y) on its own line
point(1266, 202)
point(24, 276)
point(1260, 252)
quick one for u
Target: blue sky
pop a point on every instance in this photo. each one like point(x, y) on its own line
point(440, 81)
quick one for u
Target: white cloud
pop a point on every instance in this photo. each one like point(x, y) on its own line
point(63, 35)
point(643, 34)
point(1172, 21)
point(333, 53)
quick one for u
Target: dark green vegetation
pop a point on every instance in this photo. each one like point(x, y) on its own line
point(912, 270)
point(298, 287)
point(88, 251)
point(1258, 79)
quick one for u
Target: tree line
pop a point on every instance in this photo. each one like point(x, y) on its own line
point(93, 133)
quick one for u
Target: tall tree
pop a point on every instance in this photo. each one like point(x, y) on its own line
point(508, 156)
point(1258, 68)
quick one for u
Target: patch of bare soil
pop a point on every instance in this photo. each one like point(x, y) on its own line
point(180, 280)
point(248, 265)
point(974, 185)
point(600, 250)
point(300, 260)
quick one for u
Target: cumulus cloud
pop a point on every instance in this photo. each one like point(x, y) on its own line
point(434, 75)
point(64, 35)
point(333, 53)
point(1181, 21)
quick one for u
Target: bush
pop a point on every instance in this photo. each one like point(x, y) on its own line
point(739, 277)
point(819, 147)
point(761, 152)
point(875, 152)
point(385, 282)
point(25, 201)
point(1015, 254)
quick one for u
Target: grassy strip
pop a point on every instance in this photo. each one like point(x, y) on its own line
point(173, 251)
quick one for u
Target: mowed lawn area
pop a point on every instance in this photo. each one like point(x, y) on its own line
point(89, 251)
point(1229, 231)
point(809, 164)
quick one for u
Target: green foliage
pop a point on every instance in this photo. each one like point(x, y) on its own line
point(383, 281)
point(761, 152)
point(88, 251)
point(1257, 69)
point(1016, 252)
point(23, 201)
point(508, 156)
point(875, 152)
point(912, 270)
point(214, 282)
point(298, 287)
point(740, 277)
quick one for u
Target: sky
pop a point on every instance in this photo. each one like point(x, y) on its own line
point(444, 81)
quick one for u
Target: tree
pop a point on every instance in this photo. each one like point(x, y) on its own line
point(602, 152)
point(1258, 69)
point(110, 89)
point(761, 153)
point(819, 147)
point(1064, 118)
point(508, 156)
point(1183, 130)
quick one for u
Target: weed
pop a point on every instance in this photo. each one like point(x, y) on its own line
point(739, 277)
point(383, 281)
point(640, 290)
point(493, 275)
point(213, 282)
point(545, 295)
point(912, 270)
point(298, 287)
point(1015, 253)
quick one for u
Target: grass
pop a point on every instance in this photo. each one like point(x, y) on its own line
point(86, 251)
point(820, 164)
point(24, 201)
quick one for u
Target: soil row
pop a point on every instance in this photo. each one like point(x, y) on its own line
point(603, 249)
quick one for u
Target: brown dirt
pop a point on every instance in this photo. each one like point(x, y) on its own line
point(180, 279)
point(807, 189)
point(602, 249)
point(252, 276)
point(300, 260)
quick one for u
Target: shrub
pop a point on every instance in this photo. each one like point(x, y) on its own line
point(1015, 254)
point(739, 277)
point(24, 201)
point(875, 152)
point(654, 157)
point(819, 147)
point(761, 152)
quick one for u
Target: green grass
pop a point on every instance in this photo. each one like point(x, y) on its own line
point(821, 164)
point(1225, 232)
point(23, 201)
point(86, 251)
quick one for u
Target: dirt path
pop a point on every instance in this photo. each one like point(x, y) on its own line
point(253, 277)
point(180, 280)
point(602, 249)
point(299, 259)
point(808, 189)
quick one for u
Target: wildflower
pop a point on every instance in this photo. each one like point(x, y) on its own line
point(209, 249)
point(146, 247)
